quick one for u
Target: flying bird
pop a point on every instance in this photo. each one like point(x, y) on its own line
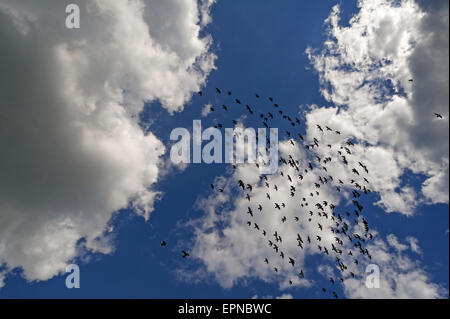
point(292, 261)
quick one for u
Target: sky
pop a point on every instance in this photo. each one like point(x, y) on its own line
point(86, 175)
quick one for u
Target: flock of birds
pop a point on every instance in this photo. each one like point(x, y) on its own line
point(350, 230)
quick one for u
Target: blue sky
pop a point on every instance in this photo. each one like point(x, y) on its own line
point(261, 49)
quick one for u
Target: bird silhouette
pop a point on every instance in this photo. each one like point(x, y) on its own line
point(292, 261)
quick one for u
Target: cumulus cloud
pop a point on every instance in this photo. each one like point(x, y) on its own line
point(387, 73)
point(72, 149)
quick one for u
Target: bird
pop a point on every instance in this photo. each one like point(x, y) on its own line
point(163, 243)
point(439, 116)
point(185, 253)
point(292, 261)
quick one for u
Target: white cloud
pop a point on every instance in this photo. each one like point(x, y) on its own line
point(365, 70)
point(414, 244)
point(2, 279)
point(72, 150)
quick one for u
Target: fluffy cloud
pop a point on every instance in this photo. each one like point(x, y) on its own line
point(365, 70)
point(72, 148)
